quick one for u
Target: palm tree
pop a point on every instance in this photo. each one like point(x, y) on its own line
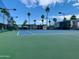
point(65, 19)
point(42, 17)
point(29, 19)
point(73, 17)
point(34, 22)
point(54, 20)
point(5, 13)
point(47, 11)
point(25, 22)
point(29, 16)
point(49, 22)
point(74, 23)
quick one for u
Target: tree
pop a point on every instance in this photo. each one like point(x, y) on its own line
point(5, 12)
point(34, 22)
point(49, 22)
point(65, 19)
point(42, 17)
point(12, 24)
point(15, 26)
point(74, 23)
point(47, 11)
point(25, 22)
point(54, 20)
point(73, 17)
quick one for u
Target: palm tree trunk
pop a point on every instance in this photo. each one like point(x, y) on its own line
point(29, 19)
point(3, 22)
point(55, 24)
point(34, 23)
point(47, 19)
point(49, 24)
point(29, 22)
point(42, 23)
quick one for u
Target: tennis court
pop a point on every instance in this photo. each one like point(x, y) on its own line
point(46, 32)
point(39, 44)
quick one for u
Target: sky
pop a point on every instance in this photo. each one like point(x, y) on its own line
point(37, 8)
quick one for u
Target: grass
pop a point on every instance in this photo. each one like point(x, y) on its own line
point(39, 47)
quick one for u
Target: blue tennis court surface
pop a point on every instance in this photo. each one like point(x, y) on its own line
point(46, 32)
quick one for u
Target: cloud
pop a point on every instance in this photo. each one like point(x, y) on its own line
point(76, 4)
point(68, 1)
point(43, 3)
point(29, 3)
point(60, 18)
point(40, 22)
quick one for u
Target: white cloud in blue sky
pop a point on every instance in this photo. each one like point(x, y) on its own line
point(61, 17)
point(29, 3)
point(43, 3)
point(75, 4)
point(71, 1)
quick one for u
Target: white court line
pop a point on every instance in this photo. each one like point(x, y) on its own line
point(18, 33)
